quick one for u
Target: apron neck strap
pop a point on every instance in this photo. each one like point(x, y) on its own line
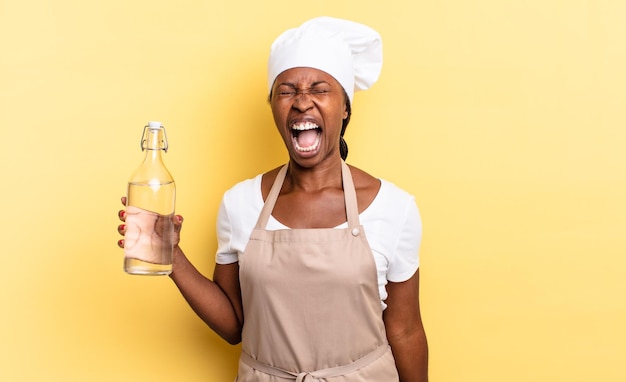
point(352, 209)
point(349, 193)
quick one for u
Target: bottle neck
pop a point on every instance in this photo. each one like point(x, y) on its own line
point(152, 170)
point(154, 142)
point(154, 155)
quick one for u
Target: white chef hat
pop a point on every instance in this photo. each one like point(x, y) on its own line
point(350, 52)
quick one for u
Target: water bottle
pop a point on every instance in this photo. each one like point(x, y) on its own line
point(150, 200)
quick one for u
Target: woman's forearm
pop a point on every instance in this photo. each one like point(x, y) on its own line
point(206, 298)
point(411, 355)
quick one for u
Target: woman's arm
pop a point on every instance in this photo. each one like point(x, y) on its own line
point(405, 330)
point(217, 302)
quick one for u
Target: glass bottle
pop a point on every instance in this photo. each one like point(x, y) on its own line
point(148, 245)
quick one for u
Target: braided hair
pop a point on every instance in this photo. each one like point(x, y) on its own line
point(343, 146)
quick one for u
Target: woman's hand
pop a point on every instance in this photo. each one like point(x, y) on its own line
point(176, 220)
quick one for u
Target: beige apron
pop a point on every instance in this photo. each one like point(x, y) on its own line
point(311, 302)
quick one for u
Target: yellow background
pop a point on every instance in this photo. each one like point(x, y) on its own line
point(504, 118)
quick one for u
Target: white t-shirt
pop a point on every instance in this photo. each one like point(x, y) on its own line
point(392, 225)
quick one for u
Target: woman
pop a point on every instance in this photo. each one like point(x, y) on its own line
point(320, 257)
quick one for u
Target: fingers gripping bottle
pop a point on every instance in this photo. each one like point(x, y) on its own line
point(148, 242)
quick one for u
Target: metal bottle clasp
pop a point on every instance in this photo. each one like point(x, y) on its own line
point(144, 140)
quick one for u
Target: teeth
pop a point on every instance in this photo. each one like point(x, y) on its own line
point(304, 126)
point(307, 149)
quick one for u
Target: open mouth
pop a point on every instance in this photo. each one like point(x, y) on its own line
point(306, 136)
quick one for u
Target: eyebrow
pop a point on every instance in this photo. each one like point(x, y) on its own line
point(292, 85)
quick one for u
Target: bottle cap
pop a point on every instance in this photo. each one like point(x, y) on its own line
point(154, 124)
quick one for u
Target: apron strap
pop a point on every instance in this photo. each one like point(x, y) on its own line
point(318, 374)
point(352, 210)
point(268, 207)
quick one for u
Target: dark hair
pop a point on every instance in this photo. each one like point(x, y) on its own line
point(343, 146)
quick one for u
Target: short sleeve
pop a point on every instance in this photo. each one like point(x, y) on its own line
point(405, 259)
point(225, 254)
point(236, 217)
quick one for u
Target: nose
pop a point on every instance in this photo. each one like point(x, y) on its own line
point(302, 101)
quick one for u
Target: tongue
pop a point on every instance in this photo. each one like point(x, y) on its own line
point(307, 138)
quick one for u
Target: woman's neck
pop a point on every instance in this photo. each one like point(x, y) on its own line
point(323, 176)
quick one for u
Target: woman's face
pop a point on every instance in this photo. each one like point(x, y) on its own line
point(309, 106)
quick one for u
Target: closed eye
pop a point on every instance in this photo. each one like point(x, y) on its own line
point(289, 93)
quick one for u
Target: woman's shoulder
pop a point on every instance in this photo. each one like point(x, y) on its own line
point(363, 179)
point(244, 190)
point(242, 202)
point(394, 207)
point(378, 190)
point(390, 190)
point(367, 187)
point(266, 180)
point(388, 195)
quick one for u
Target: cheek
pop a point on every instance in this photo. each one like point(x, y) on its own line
point(280, 105)
point(277, 113)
